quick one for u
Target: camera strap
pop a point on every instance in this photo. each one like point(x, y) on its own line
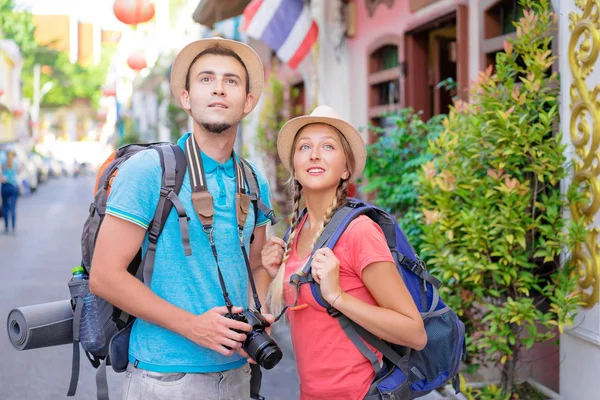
point(204, 207)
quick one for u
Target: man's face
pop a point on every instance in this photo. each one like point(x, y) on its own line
point(217, 98)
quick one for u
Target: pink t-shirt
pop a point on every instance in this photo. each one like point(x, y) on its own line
point(329, 365)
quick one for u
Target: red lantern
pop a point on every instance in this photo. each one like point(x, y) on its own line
point(109, 92)
point(17, 112)
point(137, 62)
point(101, 115)
point(133, 12)
point(1, 92)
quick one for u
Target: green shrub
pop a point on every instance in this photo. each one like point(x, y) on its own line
point(393, 164)
point(494, 229)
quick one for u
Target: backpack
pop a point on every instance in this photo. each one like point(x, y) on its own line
point(406, 373)
point(116, 323)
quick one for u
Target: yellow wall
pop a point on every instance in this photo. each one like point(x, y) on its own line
point(86, 43)
point(53, 28)
point(6, 100)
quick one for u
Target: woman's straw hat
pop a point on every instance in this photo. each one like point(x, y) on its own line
point(322, 115)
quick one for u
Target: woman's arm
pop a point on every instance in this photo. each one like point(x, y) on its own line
point(395, 319)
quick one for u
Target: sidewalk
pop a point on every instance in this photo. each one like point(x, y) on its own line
point(281, 383)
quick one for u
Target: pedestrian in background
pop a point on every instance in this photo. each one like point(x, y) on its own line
point(10, 191)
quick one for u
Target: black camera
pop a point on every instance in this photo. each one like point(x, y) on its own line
point(258, 344)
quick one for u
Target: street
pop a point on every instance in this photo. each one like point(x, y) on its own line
point(36, 266)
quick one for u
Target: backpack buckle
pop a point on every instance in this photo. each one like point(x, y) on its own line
point(153, 232)
point(333, 312)
point(92, 208)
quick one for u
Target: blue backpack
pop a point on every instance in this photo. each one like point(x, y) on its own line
point(405, 373)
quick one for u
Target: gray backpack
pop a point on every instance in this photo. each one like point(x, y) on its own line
point(117, 323)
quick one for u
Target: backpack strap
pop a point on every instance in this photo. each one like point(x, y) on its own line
point(75, 365)
point(357, 334)
point(173, 162)
point(254, 189)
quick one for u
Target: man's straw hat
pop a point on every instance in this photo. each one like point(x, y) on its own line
point(183, 62)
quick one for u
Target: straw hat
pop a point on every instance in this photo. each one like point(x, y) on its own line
point(183, 61)
point(322, 115)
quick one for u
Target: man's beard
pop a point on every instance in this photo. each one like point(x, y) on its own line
point(216, 127)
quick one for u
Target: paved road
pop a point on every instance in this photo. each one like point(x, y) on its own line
point(35, 267)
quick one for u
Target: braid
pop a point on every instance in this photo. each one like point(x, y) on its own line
point(295, 221)
point(275, 294)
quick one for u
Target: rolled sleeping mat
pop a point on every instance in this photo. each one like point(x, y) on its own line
point(41, 325)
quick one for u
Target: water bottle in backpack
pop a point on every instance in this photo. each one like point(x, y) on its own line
point(91, 331)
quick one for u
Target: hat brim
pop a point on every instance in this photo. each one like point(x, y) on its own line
point(183, 61)
point(289, 131)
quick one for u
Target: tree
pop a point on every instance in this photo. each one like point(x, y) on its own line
point(71, 80)
point(19, 27)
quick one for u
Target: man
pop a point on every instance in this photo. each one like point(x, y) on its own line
point(182, 346)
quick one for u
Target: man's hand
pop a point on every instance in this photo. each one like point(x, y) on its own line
point(270, 319)
point(215, 331)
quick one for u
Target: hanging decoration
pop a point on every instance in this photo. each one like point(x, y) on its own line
point(109, 92)
point(137, 62)
point(133, 12)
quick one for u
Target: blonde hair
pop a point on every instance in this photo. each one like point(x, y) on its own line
point(275, 296)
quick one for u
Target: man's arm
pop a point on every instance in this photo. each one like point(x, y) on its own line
point(117, 244)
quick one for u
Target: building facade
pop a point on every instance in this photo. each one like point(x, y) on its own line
point(13, 110)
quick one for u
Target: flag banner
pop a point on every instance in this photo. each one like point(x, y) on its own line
point(286, 26)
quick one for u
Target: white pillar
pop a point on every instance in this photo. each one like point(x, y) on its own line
point(333, 63)
point(580, 345)
point(475, 37)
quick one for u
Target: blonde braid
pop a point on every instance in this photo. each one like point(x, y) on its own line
point(275, 293)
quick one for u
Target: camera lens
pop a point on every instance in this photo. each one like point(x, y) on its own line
point(263, 349)
point(270, 356)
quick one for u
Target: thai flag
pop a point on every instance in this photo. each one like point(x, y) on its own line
point(285, 25)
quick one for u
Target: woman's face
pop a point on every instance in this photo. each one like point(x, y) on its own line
point(318, 157)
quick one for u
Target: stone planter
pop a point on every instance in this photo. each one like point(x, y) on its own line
point(447, 393)
point(551, 394)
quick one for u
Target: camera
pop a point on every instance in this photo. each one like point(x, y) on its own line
point(258, 344)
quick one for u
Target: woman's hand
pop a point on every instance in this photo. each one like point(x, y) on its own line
point(325, 270)
point(272, 255)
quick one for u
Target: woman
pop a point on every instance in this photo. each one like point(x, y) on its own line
point(9, 190)
point(358, 278)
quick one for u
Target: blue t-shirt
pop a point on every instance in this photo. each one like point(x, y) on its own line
point(10, 174)
point(192, 282)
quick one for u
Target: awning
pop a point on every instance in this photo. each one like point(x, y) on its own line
point(210, 11)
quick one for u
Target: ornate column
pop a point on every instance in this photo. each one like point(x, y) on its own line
point(579, 33)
